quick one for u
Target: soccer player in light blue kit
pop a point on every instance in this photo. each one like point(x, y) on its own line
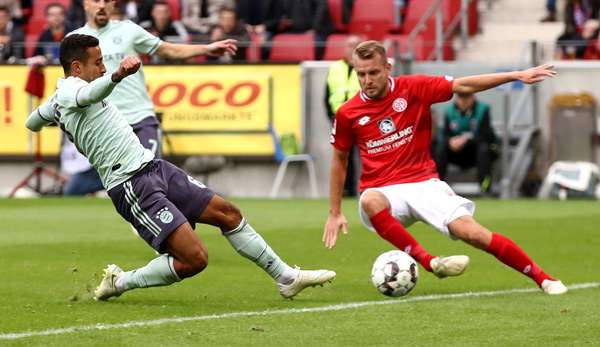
point(161, 201)
point(119, 39)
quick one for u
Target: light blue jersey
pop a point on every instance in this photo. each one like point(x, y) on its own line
point(119, 39)
point(95, 126)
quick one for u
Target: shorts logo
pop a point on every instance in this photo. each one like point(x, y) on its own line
point(364, 120)
point(527, 269)
point(399, 105)
point(164, 215)
point(387, 126)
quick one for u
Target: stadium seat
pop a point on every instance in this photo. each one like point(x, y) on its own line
point(335, 11)
point(451, 8)
point(292, 47)
point(253, 51)
point(334, 48)
point(375, 18)
point(284, 161)
point(398, 44)
point(422, 49)
point(414, 12)
point(175, 8)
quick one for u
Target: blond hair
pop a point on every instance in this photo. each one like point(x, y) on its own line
point(370, 49)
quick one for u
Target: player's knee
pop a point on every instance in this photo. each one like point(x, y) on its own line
point(468, 230)
point(195, 262)
point(373, 202)
point(231, 216)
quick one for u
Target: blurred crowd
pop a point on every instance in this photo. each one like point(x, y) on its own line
point(579, 39)
point(26, 31)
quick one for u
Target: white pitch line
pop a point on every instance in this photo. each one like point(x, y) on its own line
point(339, 307)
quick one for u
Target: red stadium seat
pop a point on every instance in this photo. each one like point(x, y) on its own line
point(293, 47)
point(175, 8)
point(374, 18)
point(334, 49)
point(422, 48)
point(335, 11)
point(398, 44)
point(451, 9)
point(253, 51)
point(414, 12)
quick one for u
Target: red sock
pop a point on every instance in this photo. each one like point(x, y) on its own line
point(512, 255)
point(392, 230)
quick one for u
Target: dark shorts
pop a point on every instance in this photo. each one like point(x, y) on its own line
point(158, 199)
point(148, 131)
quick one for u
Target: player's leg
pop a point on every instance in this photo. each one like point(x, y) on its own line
point(504, 249)
point(185, 256)
point(143, 203)
point(483, 162)
point(434, 203)
point(248, 243)
point(377, 208)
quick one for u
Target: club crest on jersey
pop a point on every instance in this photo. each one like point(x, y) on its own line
point(364, 120)
point(399, 105)
point(387, 126)
point(117, 40)
point(164, 215)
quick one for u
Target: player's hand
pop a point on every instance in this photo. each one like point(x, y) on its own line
point(335, 223)
point(220, 48)
point(457, 143)
point(537, 74)
point(128, 66)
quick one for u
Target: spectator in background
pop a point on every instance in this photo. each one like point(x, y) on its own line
point(49, 40)
point(199, 16)
point(136, 10)
point(342, 84)
point(76, 14)
point(162, 26)
point(467, 139)
point(297, 16)
point(83, 178)
point(118, 14)
point(12, 38)
point(581, 29)
point(229, 27)
point(14, 9)
point(251, 12)
point(550, 12)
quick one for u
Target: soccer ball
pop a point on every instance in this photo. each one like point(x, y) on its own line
point(394, 273)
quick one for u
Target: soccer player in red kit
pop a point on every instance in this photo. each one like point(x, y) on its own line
point(390, 121)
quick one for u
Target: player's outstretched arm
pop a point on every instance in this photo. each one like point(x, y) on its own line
point(336, 221)
point(169, 50)
point(477, 83)
point(100, 88)
point(40, 117)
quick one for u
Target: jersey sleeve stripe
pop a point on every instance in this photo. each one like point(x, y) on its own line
point(155, 47)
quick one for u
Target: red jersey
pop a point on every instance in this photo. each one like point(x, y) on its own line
point(393, 134)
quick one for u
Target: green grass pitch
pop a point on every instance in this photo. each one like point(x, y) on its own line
point(52, 252)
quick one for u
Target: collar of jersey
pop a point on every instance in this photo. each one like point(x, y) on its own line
point(391, 85)
point(101, 30)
